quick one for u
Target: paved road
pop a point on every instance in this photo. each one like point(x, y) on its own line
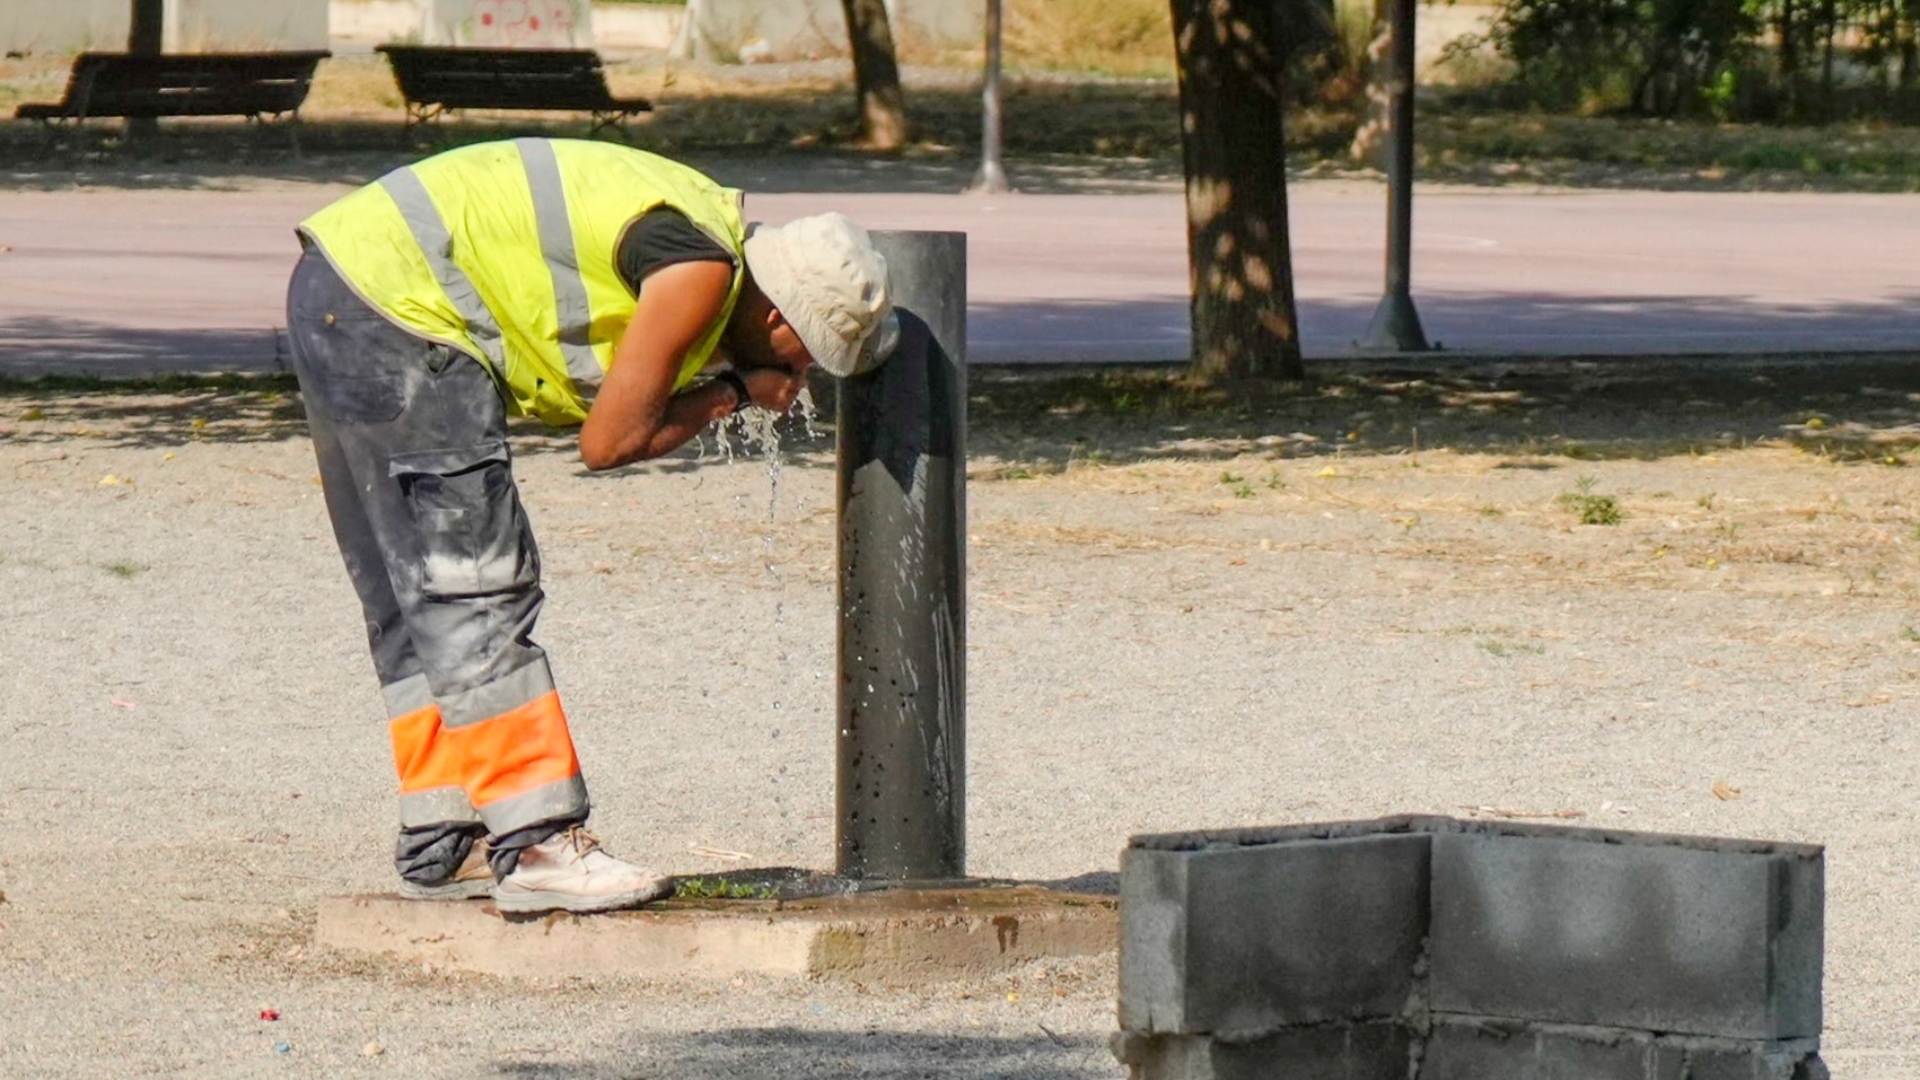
point(145, 280)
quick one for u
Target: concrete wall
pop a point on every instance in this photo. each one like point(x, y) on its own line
point(376, 22)
point(525, 24)
point(651, 27)
point(56, 26)
point(245, 25)
point(772, 30)
point(62, 26)
point(615, 27)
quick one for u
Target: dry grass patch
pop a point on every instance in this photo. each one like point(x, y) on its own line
point(1785, 522)
point(1115, 37)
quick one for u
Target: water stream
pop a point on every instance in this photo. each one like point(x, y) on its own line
point(751, 432)
point(756, 431)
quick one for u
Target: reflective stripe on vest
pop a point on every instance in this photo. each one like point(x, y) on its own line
point(436, 243)
point(556, 245)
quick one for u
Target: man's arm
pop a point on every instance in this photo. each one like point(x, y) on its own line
point(636, 414)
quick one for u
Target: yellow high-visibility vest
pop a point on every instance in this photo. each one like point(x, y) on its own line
point(507, 251)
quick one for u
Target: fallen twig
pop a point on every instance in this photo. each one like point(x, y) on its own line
point(39, 461)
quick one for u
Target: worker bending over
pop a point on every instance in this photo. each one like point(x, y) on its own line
point(583, 284)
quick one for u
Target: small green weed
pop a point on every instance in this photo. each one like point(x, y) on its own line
point(1505, 649)
point(124, 569)
point(1229, 478)
point(1705, 502)
point(1590, 508)
point(1908, 633)
point(720, 889)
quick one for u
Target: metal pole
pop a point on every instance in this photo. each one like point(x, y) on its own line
point(901, 792)
point(992, 177)
point(1396, 325)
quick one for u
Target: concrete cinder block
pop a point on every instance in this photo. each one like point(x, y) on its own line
point(1245, 938)
point(1514, 1050)
point(1672, 934)
point(1372, 1050)
point(1792, 1059)
point(1461, 1048)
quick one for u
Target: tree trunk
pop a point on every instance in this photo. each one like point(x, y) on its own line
point(876, 75)
point(1830, 22)
point(1370, 139)
point(1232, 64)
point(1790, 58)
point(1909, 50)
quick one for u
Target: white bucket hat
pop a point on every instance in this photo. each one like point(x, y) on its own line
point(826, 279)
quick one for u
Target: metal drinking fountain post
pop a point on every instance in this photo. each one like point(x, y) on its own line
point(901, 777)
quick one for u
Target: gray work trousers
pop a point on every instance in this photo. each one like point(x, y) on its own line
point(411, 440)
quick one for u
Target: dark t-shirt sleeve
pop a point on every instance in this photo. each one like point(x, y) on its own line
point(660, 238)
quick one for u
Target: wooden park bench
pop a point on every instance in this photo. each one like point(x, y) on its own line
point(439, 79)
point(257, 86)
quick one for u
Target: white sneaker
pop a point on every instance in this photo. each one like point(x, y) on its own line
point(472, 881)
point(569, 872)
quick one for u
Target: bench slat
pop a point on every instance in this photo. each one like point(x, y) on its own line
point(190, 84)
point(475, 78)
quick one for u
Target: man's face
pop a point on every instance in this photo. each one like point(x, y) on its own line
point(786, 346)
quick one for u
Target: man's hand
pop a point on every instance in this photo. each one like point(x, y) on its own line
point(773, 388)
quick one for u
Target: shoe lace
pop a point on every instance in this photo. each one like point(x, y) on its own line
point(582, 841)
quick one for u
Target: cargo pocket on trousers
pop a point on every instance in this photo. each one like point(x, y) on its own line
point(474, 537)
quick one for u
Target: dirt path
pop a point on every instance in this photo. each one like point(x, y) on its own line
point(1158, 640)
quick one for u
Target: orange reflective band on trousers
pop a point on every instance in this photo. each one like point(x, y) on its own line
point(515, 752)
point(511, 754)
point(422, 754)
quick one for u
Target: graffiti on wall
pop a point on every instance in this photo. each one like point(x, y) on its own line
point(530, 24)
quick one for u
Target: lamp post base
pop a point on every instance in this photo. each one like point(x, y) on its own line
point(991, 179)
point(1395, 326)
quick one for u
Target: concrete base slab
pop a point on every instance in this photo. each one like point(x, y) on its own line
point(896, 936)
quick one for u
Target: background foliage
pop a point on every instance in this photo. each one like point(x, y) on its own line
point(1764, 60)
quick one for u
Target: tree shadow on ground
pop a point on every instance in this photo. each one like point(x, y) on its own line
point(1078, 136)
point(1862, 406)
point(173, 411)
point(792, 127)
point(789, 1052)
point(1024, 421)
point(1155, 327)
point(34, 345)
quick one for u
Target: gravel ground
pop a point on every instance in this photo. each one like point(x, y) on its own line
point(195, 754)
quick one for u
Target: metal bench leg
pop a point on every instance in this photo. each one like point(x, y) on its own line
point(53, 127)
point(420, 116)
point(602, 121)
